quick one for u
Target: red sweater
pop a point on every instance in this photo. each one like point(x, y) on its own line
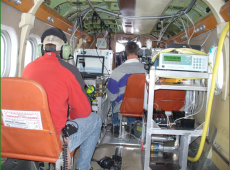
point(64, 86)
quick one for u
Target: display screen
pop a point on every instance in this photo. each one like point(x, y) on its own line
point(90, 64)
point(172, 58)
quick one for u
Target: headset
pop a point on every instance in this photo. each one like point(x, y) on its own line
point(124, 56)
point(66, 49)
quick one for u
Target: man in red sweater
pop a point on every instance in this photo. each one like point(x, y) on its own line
point(64, 86)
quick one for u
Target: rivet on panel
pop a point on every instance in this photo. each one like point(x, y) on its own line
point(49, 18)
point(17, 2)
point(52, 20)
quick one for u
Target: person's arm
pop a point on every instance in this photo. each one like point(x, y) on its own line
point(79, 102)
point(78, 99)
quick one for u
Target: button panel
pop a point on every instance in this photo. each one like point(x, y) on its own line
point(198, 63)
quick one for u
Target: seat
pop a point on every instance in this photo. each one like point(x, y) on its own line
point(132, 104)
point(20, 95)
point(133, 101)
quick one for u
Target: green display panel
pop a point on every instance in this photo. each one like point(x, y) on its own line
point(172, 58)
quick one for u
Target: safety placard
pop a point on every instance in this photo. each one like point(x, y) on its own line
point(22, 119)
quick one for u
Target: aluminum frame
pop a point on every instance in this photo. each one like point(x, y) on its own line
point(153, 128)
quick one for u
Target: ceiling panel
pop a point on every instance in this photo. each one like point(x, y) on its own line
point(143, 8)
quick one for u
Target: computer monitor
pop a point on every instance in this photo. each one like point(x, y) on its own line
point(90, 66)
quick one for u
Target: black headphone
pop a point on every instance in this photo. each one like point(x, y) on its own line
point(124, 55)
point(66, 49)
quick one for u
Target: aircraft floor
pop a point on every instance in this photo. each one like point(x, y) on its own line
point(109, 145)
point(131, 157)
point(130, 151)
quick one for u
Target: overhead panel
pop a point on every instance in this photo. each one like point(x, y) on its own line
point(148, 8)
point(127, 9)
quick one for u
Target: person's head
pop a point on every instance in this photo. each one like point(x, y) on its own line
point(131, 50)
point(54, 40)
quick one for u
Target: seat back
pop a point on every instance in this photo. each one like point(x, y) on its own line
point(132, 104)
point(20, 94)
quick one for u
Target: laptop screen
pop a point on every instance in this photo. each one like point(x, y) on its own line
point(90, 66)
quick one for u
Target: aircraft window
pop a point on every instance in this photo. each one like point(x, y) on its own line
point(5, 53)
point(10, 39)
point(31, 51)
point(35, 39)
point(2, 54)
point(220, 76)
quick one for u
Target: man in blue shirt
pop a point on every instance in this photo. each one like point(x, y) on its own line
point(117, 82)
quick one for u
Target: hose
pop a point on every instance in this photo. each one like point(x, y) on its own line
point(211, 94)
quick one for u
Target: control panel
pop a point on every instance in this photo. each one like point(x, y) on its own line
point(185, 62)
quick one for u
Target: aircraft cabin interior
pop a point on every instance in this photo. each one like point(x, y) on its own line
point(179, 103)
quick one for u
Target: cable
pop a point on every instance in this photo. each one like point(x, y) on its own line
point(203, 37)
point(65, 156)
point(184, 27)
point(94, 40)
point(168, 124)
point(194, 28)
point(174, 123)
point(102, 63)
point(136, 137)
point(165, 28)
point(213, 39)
point(157, 105)
point(192, 114)
point(128, 17)
point(189, 106)
point(206, 38)
point(117, 25)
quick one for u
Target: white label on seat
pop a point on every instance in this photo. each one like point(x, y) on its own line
point(22, 119)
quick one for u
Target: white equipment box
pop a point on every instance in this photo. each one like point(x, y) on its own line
point(185, 62)
point(108, 60)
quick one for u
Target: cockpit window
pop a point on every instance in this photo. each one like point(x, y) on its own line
point(120, 46)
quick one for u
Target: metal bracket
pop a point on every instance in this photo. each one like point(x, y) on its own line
point(200, 127)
